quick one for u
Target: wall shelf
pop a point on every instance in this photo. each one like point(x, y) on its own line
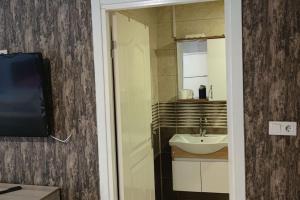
point(200, 38)
point(199, 101)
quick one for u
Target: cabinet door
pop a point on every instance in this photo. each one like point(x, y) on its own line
point(216, 60)
point(186, 176)
point(215, 177)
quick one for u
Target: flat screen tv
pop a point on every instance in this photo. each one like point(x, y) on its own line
point(25, 97)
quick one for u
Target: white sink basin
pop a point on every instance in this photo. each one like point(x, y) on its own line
point(193, 143)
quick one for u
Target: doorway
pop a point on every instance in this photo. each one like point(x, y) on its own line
point(234, 124)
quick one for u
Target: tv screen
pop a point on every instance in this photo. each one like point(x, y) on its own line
point(24, 105)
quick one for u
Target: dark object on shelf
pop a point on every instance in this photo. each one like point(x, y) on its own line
point(202, 92)
point(30, 192)
point(12, 189)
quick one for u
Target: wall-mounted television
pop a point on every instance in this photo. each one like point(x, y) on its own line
point(25, 95)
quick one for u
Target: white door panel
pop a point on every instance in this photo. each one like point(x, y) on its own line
point(215, 177)
point(186, 176)
point(133, 105)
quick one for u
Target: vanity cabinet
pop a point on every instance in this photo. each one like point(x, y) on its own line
point(186, 176)
point(214, 176)
point(200, 176)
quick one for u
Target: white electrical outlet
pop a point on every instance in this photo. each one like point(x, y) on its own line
point(3, 51)
point(282, 128)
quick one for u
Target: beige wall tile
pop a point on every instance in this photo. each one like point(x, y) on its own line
point(167, 62)
point(167, 88)
point(208, 27)
point(207, 10)
point(165, 38)
point(164, 14)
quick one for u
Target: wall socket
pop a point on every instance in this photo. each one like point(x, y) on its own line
point(3, 51)
point(282, 128)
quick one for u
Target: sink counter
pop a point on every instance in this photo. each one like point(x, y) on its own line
point(192, 144)
point(198, 161)
point(219, 155)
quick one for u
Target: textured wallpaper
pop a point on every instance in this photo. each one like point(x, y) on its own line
point(62, 31)
point(271, 39)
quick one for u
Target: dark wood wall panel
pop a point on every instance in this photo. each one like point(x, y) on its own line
point(62, 31)
point(271, 39)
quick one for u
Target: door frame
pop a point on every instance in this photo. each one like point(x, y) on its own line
point(105, 100)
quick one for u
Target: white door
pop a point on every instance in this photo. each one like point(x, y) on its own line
point(133, 106)
point(216, 60)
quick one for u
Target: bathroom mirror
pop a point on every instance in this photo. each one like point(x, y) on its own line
point(202, 63)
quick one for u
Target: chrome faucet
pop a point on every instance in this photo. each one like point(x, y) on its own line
point(202, 129)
